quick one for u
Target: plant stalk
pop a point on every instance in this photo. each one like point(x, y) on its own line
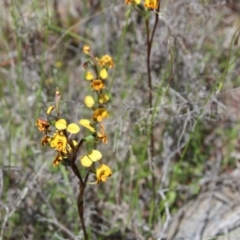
point(149, 49)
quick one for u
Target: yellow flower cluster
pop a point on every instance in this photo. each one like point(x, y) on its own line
point(97, 74)
point(132, 1)
point(58, 136)
point(151, 4)
point(105, 62)
point(148, 4)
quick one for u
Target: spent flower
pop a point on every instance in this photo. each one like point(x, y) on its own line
point(42, 125)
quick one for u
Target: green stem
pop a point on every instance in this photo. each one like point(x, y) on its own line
point(150, 98)
point(149, 46)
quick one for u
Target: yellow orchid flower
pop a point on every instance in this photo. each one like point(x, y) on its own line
point(102, 173)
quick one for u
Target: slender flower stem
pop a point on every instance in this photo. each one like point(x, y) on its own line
point(149, 49)
point(94, 63)
point(150, 99)
point(81, 209)
point(82, 185)
point(149, 46)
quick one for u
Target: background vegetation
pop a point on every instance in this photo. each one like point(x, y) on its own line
point(196, 132)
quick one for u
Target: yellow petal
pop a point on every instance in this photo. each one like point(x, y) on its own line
point(84, 122)
point(132, 1)
point(95, 155)
point(89, 76)
point(73, 128)
point(97, 85)
point(89, 101)
point(100, 114)
point(58, 142)
point(50, 109)
point(86, 49)
point(102, 173)
point(86, 161)
point(103, 98)
point(61, 124)
point(151, 4)
point(103, 73)
point(75, 143)
point(87, 124)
